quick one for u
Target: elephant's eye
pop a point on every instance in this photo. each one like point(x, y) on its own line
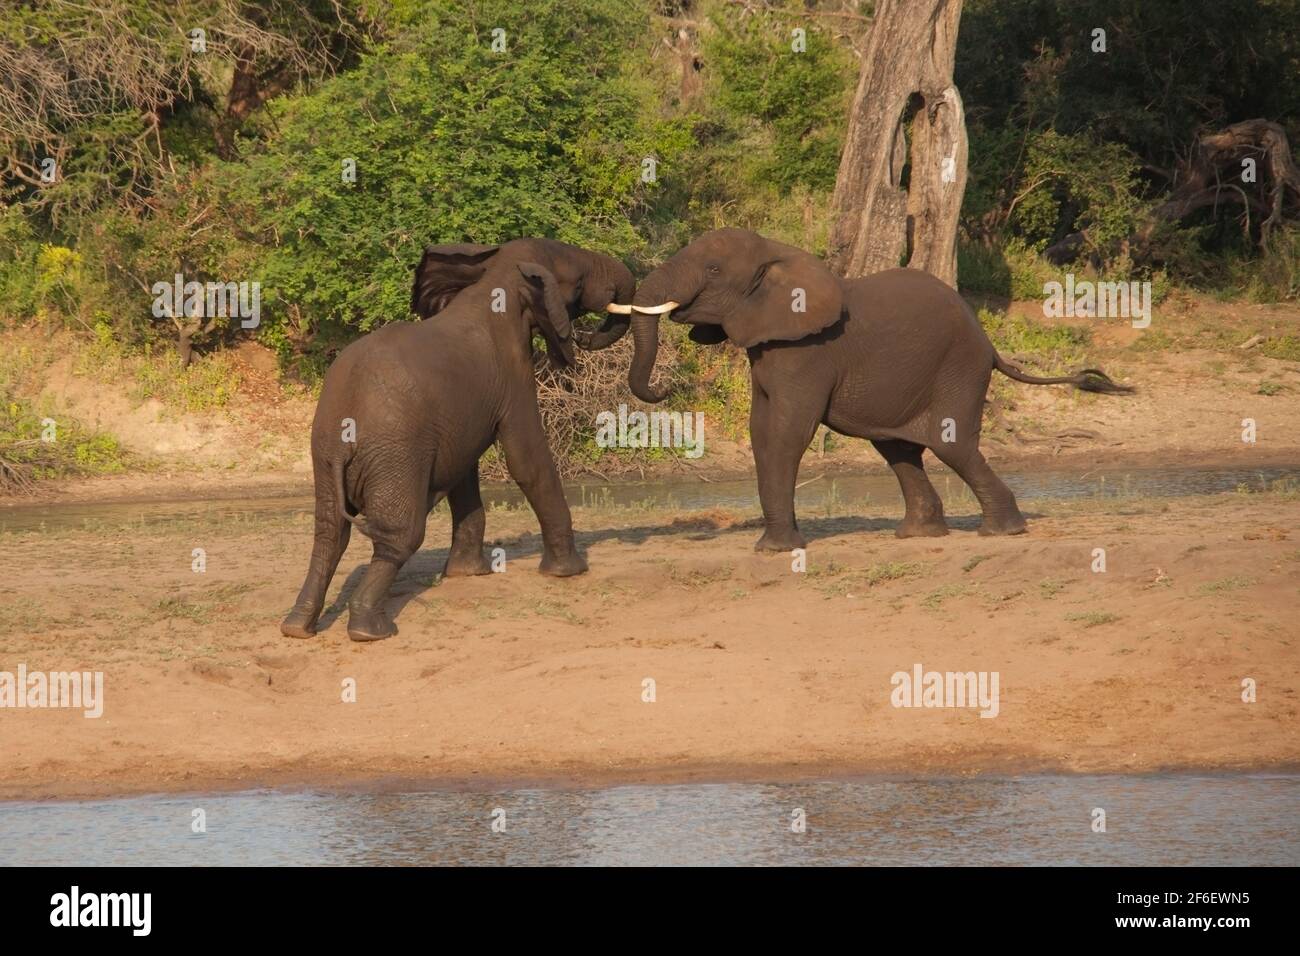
point(714, 270)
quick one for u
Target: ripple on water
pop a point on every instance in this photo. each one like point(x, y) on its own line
point(1159, 820)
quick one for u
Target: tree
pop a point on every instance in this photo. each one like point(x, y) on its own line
point(894, 206)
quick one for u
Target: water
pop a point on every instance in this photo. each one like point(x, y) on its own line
point(1151, 820)
point(815, 494)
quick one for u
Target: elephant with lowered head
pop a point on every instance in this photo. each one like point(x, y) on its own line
point(406, 411)
point(897, 357)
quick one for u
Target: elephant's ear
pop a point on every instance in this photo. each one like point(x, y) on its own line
point(792, 295)
point(445, 270)
point(707, 334)
point(546, 309)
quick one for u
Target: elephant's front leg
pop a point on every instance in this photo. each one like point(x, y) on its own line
point(779, 433)
point(467, 525)
point(528, 458)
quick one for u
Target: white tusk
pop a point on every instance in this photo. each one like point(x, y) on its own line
point(619, 309)
point(656, 309)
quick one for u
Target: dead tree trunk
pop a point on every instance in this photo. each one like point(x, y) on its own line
point(689, 62)
point(882, 218)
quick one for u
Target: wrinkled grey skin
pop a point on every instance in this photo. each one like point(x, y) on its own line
point(897, 358)
point(428, 398)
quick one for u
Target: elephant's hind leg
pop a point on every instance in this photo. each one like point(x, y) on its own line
point(467, 525)
point(332, 533)
point(1001, 513)
point(924, 514)
point(396, 525)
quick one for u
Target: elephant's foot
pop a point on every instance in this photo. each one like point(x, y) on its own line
point(1005, 524)
point(786, 540)
point(369, 624)
point(932, 527)
point(465, 564)
point(300, 623)
point(564, 565)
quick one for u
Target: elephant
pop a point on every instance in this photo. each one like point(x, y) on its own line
point(897, 358)
point(406, 412)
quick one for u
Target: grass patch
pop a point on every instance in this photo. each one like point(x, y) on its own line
point(201, 611)
point(936, 598)
point(35, 443)
point(23, 615)
point(177, 608)
point(36, 446)
point(975, 562)
point(1285, 347)
point(1235, 583)
point(1154, 340)
point(695, 579)
point(1050, 587)
point(1093, 618)
point(1054, 347)
point(891, 571)
point(556, 611)
point(209, 382)
point(834, 579)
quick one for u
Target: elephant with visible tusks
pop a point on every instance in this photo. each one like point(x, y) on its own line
point(897, 358)
point(406, 412)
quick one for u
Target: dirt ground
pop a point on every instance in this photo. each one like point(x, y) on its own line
point(759, 671)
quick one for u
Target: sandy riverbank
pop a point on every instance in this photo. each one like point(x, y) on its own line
point(759, 672)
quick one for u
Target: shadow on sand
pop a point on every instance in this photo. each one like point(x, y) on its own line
point(428, 563)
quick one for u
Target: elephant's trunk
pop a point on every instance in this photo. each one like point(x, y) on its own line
point(611, 330)
point(651, 301)
point(606, 274)
point(645, 338)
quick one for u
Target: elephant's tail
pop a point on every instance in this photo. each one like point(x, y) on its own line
point(341, 496)
point(1087, 380)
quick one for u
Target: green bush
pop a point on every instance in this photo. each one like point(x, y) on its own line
point(452, 142)
point(1275, 276)
point(1055, 347)
point(25, 455)
point(19, 249)
point(797, 100)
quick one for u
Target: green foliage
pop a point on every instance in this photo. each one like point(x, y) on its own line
point(208, 382)
point(797, 99)
point(1285, 347)
point(1274, 276)
point(1066, 138)
point(1074, 184)
point(58, 275)
point(1170, 67)
point(767, 127)
point(453, 142)
point(718, 385)
point(25, 453)
point(19, 249)
point(118, 94)
point(1056, 347)
point(1011, 269)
